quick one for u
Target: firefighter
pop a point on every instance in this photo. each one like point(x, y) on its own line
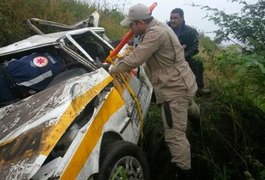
point(173, 81)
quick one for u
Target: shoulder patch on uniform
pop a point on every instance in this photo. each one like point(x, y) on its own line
point(40, 61)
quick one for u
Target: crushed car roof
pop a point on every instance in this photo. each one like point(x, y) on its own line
point(42, 40)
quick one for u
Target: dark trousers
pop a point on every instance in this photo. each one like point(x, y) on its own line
point(5, 94)
point(197, 68)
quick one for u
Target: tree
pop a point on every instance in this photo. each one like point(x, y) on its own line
point(248, 26)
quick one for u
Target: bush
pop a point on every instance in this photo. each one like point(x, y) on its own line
point(13, 15)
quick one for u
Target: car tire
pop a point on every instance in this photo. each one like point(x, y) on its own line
point(123, 158)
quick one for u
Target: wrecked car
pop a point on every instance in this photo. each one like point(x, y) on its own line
point(86, 124)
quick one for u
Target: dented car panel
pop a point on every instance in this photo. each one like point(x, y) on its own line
point(30, 134)
point(60, 131)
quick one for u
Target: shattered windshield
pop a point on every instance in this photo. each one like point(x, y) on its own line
point(90, 45)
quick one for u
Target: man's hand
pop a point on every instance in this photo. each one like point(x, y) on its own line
point(126, 52)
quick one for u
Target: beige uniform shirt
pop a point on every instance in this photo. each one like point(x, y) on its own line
point(166, 67)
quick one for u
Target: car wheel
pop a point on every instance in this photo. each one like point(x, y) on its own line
point(123, 160)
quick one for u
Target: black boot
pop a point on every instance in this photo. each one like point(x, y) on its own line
point(183, 174)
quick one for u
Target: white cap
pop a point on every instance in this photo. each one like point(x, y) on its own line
point(136, 12)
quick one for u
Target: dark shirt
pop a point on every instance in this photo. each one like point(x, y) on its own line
point(189, 37)
point(32, 73)
point(177, 30)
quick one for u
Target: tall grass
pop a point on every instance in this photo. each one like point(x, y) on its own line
point(234, 122)
point(13, 14)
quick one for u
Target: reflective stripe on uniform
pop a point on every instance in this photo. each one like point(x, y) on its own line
point(37, 79)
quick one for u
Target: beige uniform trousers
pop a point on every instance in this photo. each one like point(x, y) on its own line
point(175, 134)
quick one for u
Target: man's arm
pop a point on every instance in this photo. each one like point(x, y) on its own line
point(141, 53)
point(192, 48)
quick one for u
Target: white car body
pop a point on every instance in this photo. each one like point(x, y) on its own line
point(59, 132)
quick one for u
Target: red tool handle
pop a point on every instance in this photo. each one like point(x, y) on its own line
point(126, 38)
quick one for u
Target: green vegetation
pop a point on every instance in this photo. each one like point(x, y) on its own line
point(230, 144)
point(246, 26)
point(233, 131)
point(13, 15)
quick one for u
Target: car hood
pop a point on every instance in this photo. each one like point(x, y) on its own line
point(30, 128)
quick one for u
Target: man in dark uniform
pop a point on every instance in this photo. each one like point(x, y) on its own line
point(22, 77)
point(188, 38)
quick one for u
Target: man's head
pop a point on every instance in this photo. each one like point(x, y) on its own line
point(137, 19)
point(176, 17)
